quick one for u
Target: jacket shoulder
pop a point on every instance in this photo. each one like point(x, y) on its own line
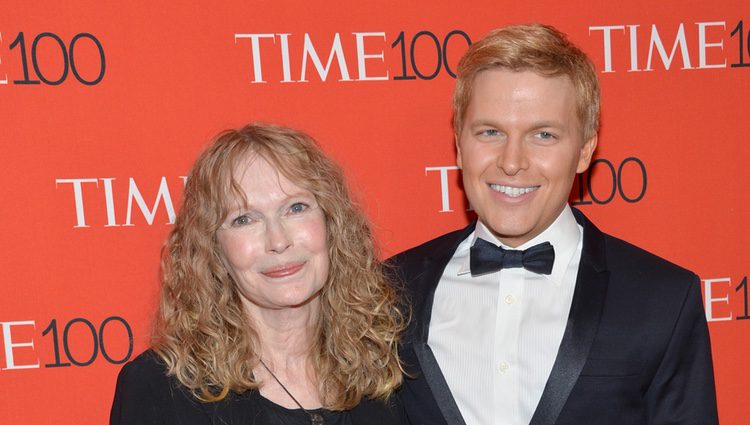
point(657, 281)
point(622, 256)
point(440, 244)
point(629, 263)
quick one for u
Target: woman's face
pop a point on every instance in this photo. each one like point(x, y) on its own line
point(275, 246)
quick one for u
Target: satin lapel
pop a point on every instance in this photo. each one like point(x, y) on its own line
point(436, 381)
point(583, 322)
point(433, 266)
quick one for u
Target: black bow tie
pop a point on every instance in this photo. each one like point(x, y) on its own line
point(487, 258)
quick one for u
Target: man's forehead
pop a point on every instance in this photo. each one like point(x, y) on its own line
point(526, 88)
point(550, 75)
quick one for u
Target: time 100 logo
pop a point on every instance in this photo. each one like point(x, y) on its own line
point(76, 342)
point(46, 58)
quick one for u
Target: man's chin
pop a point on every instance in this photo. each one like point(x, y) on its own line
point(509, 232)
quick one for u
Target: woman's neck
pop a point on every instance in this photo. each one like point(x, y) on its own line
point(286, 339)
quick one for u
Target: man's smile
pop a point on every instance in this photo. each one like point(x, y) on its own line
point(513, 191)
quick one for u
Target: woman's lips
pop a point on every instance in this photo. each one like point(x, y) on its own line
point(283, 271)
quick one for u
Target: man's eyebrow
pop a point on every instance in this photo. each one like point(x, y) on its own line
point(547, 123)
point(483, 121)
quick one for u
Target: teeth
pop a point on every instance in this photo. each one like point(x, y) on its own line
point(511, 191)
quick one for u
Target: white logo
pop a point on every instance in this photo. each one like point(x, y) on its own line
point(700, 43)
point(163, 196)
point(310, 54)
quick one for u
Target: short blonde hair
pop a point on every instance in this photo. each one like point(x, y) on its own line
point(202, 332)
point(534, 47)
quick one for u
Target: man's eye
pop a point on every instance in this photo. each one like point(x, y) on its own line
point(489, 132)
point(298, 208)
point(545, 135)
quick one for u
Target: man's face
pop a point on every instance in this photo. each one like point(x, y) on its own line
point(520, 148)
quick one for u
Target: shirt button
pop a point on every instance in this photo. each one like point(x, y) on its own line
point(504, 367)
point(510, 299)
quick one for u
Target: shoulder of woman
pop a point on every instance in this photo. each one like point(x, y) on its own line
point(146, 365)
point(142, 391)
point(144, 375)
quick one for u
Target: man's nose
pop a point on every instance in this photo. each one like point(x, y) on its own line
point(512, 158)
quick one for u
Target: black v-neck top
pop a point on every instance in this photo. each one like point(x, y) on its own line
point(145, 395)
point(270, 412)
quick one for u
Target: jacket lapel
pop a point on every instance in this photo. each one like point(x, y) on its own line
point(436, 381)
point(583, 322)
point(423, 286)
point(432, 267)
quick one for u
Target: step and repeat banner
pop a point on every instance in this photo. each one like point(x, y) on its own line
point(104, 107)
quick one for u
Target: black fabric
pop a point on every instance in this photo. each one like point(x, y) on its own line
point(145, 395)
point(635, 350)
point(485, 257)
point(425, 391)
point(438, 385)
point(583, 322)
point(271, 413)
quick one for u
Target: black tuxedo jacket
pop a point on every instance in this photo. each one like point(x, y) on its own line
point(635, 349)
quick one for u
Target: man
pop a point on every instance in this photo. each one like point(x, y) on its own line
point(532, 314)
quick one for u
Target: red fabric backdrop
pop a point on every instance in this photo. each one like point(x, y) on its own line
point(104, 107)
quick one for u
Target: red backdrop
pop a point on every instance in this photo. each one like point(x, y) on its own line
point(104, 108)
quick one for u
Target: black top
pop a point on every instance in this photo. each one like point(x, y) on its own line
point(145, 395)
point(270, 412)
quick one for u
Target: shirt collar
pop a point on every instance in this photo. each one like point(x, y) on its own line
point(564, 234)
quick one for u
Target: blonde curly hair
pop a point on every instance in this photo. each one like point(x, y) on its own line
point(202, 332)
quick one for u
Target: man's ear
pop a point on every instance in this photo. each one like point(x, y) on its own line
point(587, 151)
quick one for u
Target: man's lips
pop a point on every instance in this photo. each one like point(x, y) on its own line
point(513, 191)
point(283, 271)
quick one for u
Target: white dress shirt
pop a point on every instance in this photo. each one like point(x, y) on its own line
point(496, 336)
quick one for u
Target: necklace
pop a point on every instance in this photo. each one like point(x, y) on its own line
point(315, 418)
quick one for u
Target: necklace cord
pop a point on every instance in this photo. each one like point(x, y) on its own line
point(315, 418)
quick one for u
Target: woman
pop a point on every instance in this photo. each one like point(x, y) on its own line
point(274, 308)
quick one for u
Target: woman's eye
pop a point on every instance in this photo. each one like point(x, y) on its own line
point(298, 208)
point(241, 220)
